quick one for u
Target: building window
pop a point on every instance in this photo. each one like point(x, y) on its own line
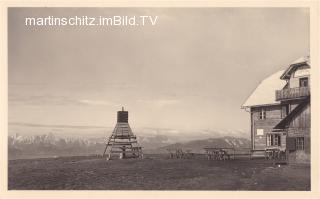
point(273, 140)
point(284, 110)
point(262, 114)
point(303, 82)
point(300, 143)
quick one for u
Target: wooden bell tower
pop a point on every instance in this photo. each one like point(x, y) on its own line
point(122, 142)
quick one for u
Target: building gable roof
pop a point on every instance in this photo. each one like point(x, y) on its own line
point(264, 94)
point(299, 62)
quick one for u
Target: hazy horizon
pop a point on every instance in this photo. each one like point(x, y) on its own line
point(191, 71)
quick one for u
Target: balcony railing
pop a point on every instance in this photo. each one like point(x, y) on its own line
point(292, 93)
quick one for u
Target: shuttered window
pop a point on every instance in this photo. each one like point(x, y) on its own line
point(262, 114)
point(268, 140)
point(300, 143)
point(303, 82)
point(273, 140)
point(291, 143)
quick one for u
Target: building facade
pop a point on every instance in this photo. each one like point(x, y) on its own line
point(280, 111)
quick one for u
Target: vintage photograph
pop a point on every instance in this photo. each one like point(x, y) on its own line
point(159, 98)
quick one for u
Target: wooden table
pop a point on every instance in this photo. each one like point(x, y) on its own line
point(215, 153)
point(275, 153)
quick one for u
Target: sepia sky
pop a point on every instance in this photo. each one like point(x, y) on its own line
point(192, 70)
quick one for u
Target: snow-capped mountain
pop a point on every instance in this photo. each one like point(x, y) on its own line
point(27, 140)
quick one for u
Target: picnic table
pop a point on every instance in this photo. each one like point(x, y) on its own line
point(216, 153)
point(178, 153)
point(274, 153)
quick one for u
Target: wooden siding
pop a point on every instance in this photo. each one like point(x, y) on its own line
point(273, 117)
point(294, 82)
point(252, 128)
point(307, 145)
point(272, 112)
point(284, 140)
point(301, 120)
point(300, 126)
point(298, 132)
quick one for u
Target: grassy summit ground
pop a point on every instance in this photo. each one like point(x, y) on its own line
point(155, 172)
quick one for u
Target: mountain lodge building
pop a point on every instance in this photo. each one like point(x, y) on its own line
point(280, 111)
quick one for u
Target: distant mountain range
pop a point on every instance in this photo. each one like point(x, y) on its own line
point(173, 135)
point(32, 140)
point(197, 146)
point(49, 145)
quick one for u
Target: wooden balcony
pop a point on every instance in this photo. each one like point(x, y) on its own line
point(292, 93)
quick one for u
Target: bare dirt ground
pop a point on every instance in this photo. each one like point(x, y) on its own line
point(155, 172)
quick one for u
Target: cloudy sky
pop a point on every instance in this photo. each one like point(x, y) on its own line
point(192, 70)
